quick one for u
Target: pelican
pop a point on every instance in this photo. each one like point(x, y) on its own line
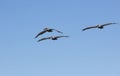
point(47, 30)
point(98, 26)
point(51, 37)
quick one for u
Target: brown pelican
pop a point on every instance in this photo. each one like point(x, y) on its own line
point(47, 30)
point(98, 26)
point(52, 38)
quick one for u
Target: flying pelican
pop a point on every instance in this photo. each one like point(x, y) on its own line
point(52, 38)
point(47, 30)
point(98, 26)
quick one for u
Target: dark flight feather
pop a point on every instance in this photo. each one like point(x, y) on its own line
point(43, 39)
point(107, 24)
point(42, 32)
point(89, 28)
point(57, 31)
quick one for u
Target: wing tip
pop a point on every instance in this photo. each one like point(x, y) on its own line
point(83, 29)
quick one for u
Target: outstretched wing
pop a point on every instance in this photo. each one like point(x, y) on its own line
point(57, 31)
point(108, 24)
point(43, 39)
point(89, 28)
point(61, 36)
point(42, 32)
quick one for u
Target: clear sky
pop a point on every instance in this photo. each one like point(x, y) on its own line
point(90, 53)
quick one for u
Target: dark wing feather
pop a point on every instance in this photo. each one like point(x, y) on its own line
point(42, 32)
point(43, 39)
point(89, 28)
point(107, 24)
point(57, 31)
point(61, 36)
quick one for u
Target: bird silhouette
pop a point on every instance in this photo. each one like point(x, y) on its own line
point(47, 30)
point(98, 26)
point(51, 37)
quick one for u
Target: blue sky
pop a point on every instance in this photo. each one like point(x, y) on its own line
point(90, 53)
